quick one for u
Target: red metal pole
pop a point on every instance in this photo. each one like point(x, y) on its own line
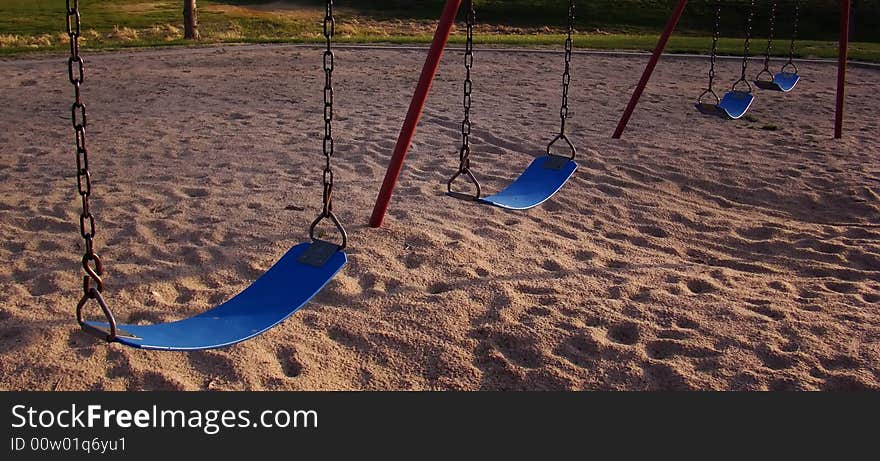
point(649, 70)
point(432, 62)
point(845, 8)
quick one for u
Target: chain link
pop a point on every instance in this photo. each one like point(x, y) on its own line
point(91, 262)
point(93, 282)
point(329, 29)
point(464, 152)
point(566, 75)
point(328, 143)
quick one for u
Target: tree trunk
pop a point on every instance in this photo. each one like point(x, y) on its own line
point(190, 20)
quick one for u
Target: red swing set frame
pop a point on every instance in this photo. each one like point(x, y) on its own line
point(438, 45)
point(845, 10)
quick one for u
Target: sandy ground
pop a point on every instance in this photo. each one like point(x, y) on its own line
point(694, 254)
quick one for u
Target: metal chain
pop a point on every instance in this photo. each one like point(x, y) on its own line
point(566, 75)
point(716, 37)
point(713, 57)
point(566, 81)
point(464, 152)
point(327, 176)
point(91, 262)
point(794, 33)
point(748, 42)
point(747, 48)
point(770, 35)
point(329, 29)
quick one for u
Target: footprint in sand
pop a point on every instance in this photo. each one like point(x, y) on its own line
point(781, 286)
point(654, 231)
point(773, 359)
point(617, 264)
point(842, 287)
point(701, 286)
point(783, 385)
point(196, 192)
point(847, 383)
point(518, 350)
point(661, 376)
point(758, 233)
point(290, 362)
point(539, 311)
point(552, 266)
point(627, 333)
point(610, 190)
point(667, 348)
point(119, 365)
point(349, 339)
point(581, 350)
point(679, 335)
point(48, 224)
point(585, 255)
point(839, 362)
point(762, 307)
point(870, 297)
point(414, 260)
point(440, 288)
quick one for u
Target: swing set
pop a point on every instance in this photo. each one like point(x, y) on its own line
point(736, 102)
point(546, 174)
point(311, 265)
point(262, 305)
point(272, 298)
point(542, 179)
point(739, 99)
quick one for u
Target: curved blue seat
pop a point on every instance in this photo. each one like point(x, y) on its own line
point(281, 291)
point(540, 181)
point(736, 103)
point(783, 81)
point(786, 81)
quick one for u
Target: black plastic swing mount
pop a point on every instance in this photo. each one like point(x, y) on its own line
point(466, 173)
point(108, 334)
point(320, 251)
point(560, 137)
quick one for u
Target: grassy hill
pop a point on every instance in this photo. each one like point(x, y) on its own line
point(38, 25)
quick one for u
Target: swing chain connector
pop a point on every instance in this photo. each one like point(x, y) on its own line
point(327, 176)
point(336, 223)
point(708, 92)
point(111, 333)
point(467, 173)
point(562, 137)
point(464, 153)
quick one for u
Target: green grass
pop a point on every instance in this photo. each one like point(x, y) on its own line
point(38, 25)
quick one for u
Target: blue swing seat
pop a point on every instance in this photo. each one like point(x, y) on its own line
point(736, 103)
point(783, 81)
point(540, 181)
point(281, 291)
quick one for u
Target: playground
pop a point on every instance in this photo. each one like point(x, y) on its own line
point(318, 216)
